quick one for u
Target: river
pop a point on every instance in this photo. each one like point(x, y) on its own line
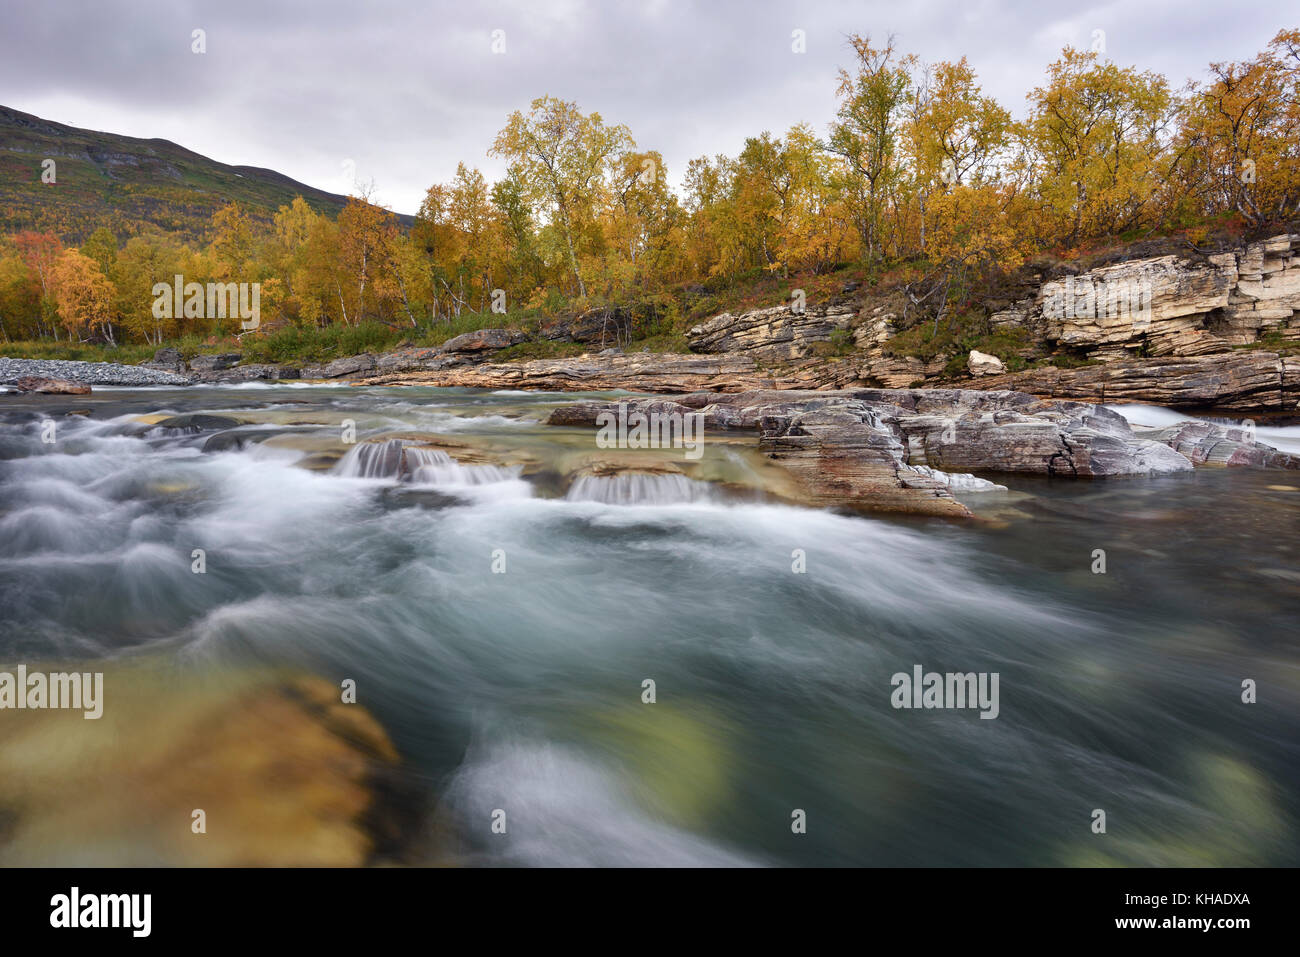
point(500, 623)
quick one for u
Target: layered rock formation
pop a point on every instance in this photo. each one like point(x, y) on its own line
point(1205, 443)
point(1242, 381)
point(1193, 311)
point(637, 372)
point(601, 327)
point(776, 334)
point(1187, 305)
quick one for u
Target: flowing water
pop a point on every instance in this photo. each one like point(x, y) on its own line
point(500, 597)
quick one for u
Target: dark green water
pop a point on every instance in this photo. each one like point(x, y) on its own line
point(523, 691)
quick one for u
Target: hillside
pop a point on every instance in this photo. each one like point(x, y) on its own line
point(129, 185)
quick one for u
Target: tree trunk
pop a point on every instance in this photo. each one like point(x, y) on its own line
point(573, 258)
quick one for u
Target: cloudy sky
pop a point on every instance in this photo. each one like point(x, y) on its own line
point(404, 91)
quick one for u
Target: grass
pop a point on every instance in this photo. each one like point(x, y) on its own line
point(540, 349)
point(1273, 341)
point(317, 345)
point(1065, 360)
point(76, 351)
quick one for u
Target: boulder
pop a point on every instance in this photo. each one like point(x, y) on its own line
point(49, 386)
point(348, 366)
point(216, 362)
point(981, 363)
point(851, 455)
point(475, 346)
point(168, 360)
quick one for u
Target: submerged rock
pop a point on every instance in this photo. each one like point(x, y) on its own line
point(323, 789)
point(196, 422)
point(236, 439)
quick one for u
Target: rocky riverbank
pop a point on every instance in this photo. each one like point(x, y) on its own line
point(880, 449)
point(12, 371)
point(1210, 332)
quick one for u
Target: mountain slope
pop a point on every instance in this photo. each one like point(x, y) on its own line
point(127, 184)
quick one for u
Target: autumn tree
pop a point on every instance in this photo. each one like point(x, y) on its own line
point(564, 156)
point(1098, 134)
point(101, 246)
point(642, 222)
point(1239, 139)
point(39, 252)
point(18, 301)
point(365, 236)
point(866, 130)
point(140, 264)
point(84, 295)
point(523, 261)
point(953, 134)
point(232, 243)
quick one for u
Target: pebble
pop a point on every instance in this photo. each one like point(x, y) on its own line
point(91, 373)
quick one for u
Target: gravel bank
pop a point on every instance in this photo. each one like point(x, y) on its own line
point(91, 373)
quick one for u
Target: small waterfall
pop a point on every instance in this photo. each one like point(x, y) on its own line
point(373, 460)
point(639, 488)
point(436, 467)
point(419, 465)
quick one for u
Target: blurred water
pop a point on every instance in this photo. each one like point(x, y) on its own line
point(523, 690)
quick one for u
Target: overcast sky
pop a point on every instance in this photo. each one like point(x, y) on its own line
point(404, 91)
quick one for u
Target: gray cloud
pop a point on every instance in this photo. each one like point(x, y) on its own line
point(407, 90)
